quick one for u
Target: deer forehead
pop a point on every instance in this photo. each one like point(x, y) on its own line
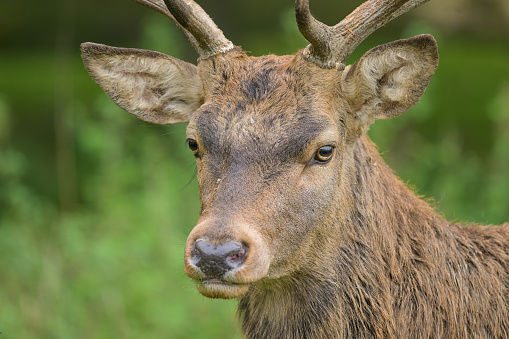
point(287, 131)
point(272, 102)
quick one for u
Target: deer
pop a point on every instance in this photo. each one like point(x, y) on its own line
point(300, 218)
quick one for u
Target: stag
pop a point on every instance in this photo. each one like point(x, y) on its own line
point(300, 217)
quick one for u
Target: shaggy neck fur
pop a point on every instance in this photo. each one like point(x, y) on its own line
point(387, 267)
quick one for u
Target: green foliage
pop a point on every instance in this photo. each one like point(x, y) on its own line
point(111, 265)
point(95, 205)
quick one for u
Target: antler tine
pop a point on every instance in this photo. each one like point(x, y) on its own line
point(206, 38)
point(210, 39)
point(331, 46)
point(366, 19)
point(317, 33)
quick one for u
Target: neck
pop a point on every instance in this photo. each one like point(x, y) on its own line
point(380, 211)
point(385, 227)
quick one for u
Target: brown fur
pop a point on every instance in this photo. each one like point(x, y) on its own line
point(335, 250)
point(399, 270)
point(379, 261)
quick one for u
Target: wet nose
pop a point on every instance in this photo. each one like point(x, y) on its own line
point(214, 261)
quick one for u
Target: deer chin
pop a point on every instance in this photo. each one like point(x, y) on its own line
point(220, 289)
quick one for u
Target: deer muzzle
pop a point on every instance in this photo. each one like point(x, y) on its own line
point(225, 261)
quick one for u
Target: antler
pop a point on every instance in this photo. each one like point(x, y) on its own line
point(330, 46)
point(199, 28)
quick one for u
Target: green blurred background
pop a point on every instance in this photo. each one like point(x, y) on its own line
point(95, 205)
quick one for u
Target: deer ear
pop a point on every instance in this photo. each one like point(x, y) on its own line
point(389, 79)
point(153, 86)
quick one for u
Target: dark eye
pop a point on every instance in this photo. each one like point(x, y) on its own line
point(324, 154)
point(193, 146)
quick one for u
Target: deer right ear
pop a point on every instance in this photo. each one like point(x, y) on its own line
point(389, 79)
point(153, 86)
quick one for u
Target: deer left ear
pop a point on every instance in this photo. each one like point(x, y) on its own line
point(389, 79)
point(152, 86)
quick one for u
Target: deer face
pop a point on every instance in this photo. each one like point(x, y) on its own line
point(269, 135)
point(266, 149)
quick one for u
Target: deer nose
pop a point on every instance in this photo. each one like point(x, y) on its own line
point(215, 261)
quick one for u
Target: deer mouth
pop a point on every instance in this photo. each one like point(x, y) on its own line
point(217, 288)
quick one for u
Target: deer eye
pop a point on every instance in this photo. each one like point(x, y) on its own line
point(193, 146)
point(324, 154)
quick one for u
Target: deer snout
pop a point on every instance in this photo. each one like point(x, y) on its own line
point(224, 261)
point(216, 261)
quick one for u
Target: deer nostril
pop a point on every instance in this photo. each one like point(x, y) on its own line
point(215, 261)
point(237, 256)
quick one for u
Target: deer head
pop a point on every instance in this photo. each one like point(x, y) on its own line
point(270, 134)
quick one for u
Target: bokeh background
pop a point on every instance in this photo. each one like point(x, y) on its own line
point(95, 205)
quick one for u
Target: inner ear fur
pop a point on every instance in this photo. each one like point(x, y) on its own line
point(389, 79)
point(153, 86)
